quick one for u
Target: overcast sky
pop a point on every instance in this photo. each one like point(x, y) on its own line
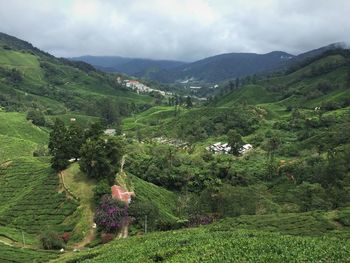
point(175, 29)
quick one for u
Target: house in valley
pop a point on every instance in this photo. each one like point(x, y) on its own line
point(224, 148)
point(110, 132)
point(119, 193)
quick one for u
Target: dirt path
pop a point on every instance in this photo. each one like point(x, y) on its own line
point(87, 239)
point(78, 189)
point(122, 164)
point(124, 231)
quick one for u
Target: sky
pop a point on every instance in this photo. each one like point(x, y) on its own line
point(185, 30)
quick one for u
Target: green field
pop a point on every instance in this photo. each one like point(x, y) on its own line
point(231, 240)
point(9, 254)
point(18, 137)
point(161, 198)
point(30, 198)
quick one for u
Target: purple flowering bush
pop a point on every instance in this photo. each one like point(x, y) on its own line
point(111, 214)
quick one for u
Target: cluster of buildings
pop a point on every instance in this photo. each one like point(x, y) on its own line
point(139, 87)
point(224, 148)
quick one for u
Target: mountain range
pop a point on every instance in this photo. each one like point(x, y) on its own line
point(210, 70)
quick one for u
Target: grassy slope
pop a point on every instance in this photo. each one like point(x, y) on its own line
point(233, 240)
point(18, 137)
point(29, 198)
point(81, 188)
point(9, 254)
point(163, 199)
point(83, 87)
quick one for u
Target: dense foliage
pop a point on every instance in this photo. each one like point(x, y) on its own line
point(110, 214)
point(100, 158)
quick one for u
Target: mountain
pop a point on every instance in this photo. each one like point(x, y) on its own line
point(211, 69)
point(137, 67)
point(318, 51)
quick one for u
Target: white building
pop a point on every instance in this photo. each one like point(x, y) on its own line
point(224, 148)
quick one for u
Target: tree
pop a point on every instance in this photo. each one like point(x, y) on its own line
point(58, 146)
point(94, 131)
point(235, 142)
point(102, 188)
point(272, 145)
point(100, 157)
point(140, 210)
point(75, 139)
point(37, 117)
point(189, 103)
point(109, 111)
point(237, 83)
point(111, 214)
point(51, 240)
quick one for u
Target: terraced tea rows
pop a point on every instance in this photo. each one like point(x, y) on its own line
point(29, 198)
point(9, 254)
point(207, 244)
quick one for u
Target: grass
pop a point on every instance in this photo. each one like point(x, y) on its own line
point(27, 63)
point(230, 240)
point(142, 119)
point(30, 200)
point(50, 84)
point(82, 120)
point(163, 199)
point(18, 137)
point(9, 254)
point(82, 188)
point(15, 237)
point(251, 94)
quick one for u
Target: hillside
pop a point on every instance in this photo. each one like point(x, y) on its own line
point(228, 241)
point(31, 78)
point(138, 67)
point(212, 69)
point(191, 203)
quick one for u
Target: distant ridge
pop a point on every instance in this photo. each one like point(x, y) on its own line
point(212, 69)
point(138, 67)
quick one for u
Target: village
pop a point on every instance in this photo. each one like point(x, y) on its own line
point(139, 87)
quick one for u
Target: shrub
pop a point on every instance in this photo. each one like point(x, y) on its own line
point(140, 209)
point(102, 188)
point(111, 214)
point(37, 117)
point(51, 240)
point(41, 151)
point(107, 237)
point(196, 220)
point(65, 237)
point(344, 217)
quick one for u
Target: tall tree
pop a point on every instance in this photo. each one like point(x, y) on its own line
point(272, 145)
point(58, 146)
point(100, 157)
point(189, 103)
point(235, 142)
point(75, 139)
point(94, 131)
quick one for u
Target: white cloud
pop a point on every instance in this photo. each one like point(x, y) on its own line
point(175, 29)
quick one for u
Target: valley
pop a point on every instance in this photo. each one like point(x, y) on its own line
point(284, 200)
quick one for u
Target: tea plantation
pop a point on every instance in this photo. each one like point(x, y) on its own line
point(219, 244)
point(10, 254)
point(30, 199)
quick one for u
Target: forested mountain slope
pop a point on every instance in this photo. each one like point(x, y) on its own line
point(31, 78)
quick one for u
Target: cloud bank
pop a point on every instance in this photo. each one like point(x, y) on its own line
point(175, 29)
